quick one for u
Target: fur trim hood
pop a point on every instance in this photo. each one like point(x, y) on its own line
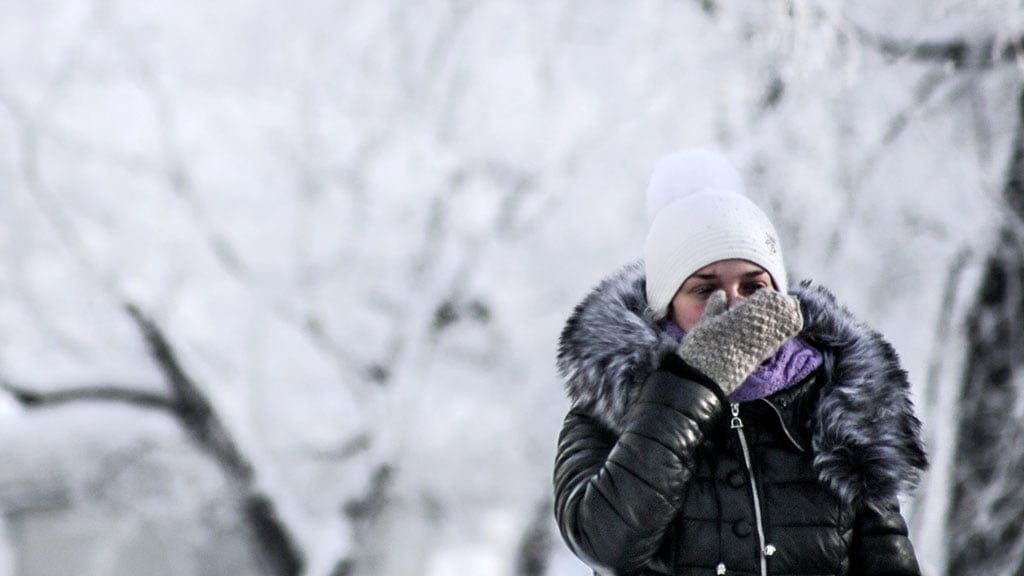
point(865, 437)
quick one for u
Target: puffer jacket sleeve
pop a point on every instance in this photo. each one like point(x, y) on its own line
point(881, 544)
point(615, 496)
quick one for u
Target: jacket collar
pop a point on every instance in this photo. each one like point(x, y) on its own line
point(865, 438)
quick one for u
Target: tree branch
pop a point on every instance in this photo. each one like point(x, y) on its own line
point(1013, 192)
point(193, 411)
point(959, 54)
point(191, 404)
point(276, 549)
point(99, 393)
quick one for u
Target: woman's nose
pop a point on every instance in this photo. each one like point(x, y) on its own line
point(732, 296)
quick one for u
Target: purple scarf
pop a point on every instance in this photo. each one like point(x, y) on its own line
point(794, 361)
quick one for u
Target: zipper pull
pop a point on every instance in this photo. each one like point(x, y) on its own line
point(736, 423)
point(720, 570)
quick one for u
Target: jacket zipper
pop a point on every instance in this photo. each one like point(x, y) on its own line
point(766, 550)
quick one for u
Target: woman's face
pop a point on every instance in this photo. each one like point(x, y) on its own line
point(739, 279)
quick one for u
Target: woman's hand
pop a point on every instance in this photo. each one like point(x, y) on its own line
point(728, 345)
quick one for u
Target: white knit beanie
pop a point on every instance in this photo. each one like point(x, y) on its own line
point(700, 216)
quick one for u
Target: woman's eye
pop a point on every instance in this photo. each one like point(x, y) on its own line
point(704, 290)
point(749, 289)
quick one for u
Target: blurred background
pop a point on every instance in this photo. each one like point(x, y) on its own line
point(281, 282)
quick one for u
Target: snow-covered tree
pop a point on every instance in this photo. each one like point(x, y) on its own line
point(282, 282)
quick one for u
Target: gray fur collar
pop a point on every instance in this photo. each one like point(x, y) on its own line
point(865, 436)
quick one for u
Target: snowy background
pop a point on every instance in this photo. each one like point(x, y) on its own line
point(281, 282)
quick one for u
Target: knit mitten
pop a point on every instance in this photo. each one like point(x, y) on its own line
point(728, 345)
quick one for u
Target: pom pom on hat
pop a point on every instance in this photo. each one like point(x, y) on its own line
point(686, 172)
point(699, 215)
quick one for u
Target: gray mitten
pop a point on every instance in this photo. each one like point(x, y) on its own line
point(728, 345)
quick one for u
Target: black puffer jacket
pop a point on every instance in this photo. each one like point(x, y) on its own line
point(657, 473)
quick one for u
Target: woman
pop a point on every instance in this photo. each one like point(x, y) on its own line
point(722, 423)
